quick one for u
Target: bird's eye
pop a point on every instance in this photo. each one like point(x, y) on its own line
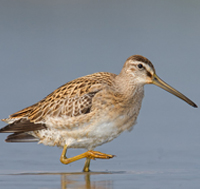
point(140, 66)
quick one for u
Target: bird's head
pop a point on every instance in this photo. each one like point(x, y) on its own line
point(142, 71)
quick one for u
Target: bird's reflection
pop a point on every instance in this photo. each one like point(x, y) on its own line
point(80, 180)
point(83, 181)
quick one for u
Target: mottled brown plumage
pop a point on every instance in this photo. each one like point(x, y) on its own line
point(71, 99)
point(88, 111)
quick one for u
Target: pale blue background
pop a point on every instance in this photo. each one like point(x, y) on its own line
point(45, 43)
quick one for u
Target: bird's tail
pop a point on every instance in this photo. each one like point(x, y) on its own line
point(21, 137)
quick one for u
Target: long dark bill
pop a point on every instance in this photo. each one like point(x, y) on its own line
point(160, 83)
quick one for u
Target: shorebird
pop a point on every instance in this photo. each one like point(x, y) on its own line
point(89, 111)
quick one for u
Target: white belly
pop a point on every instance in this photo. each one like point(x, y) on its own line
point(88, 136)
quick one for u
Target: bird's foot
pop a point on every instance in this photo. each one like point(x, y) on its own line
point(95, 154)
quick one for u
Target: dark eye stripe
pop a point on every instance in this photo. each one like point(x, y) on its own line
point(148, 74)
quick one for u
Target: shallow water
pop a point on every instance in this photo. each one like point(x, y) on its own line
point(103, 180)
point(137, 169)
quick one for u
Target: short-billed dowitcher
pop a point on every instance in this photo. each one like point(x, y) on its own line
point(89, 111)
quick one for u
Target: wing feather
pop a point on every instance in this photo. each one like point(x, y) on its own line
point(22, 125)
point(70, 100)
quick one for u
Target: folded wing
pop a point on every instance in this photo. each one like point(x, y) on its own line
point(70, 100)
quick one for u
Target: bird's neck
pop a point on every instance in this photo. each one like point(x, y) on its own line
point(128, 87)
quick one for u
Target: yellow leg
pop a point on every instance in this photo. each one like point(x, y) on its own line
point(87, 165)
point(89, 155)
